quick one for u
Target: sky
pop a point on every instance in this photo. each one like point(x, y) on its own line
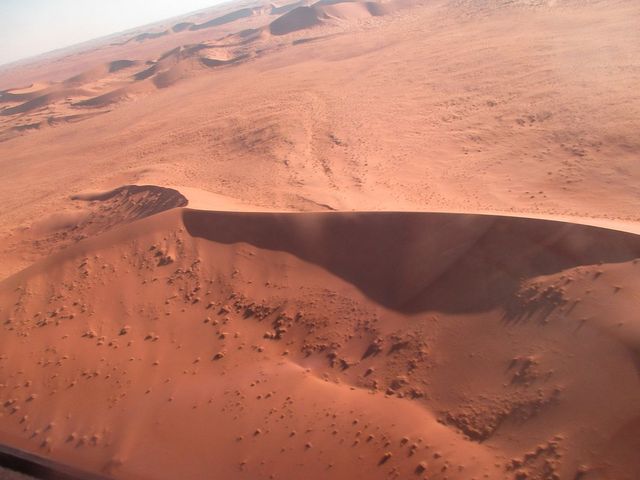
point(31, 27)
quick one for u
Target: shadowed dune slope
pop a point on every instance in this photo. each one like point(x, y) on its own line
point(8, 96)
point(179, 27)
point(251, 341)
point(424, 261)
point(148, 36)
point(282, 9)
point(227, 18)
point(304, 17)
point(42, 101)
point(217, 62)
point(297, 19)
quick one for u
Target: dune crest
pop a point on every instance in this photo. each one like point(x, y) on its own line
point(92, 214)
point(419, 273)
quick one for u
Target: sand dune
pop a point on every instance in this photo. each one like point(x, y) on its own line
point(93, 213)
point(99, 72)
point(173, 56)
point(162, 73)
point(39, 99)
point(228, 18)
point(175, 64)
point(329, 349)
point(169, 77)
point(354, 10)
point(485, 256)
point(146, 73)
point(43, 101)
point(247, 37)
point(179, 63)
point(21, 95)
point(301, 18)
point(297, 19)
point(51, 120)
point(220, 58)
point(311, 315)
point(30, 105)
point(108, 98)
point(282, 9)
point(180, 27)
point(147, 36)
point(133, 202)
point(27, 126)
point(33, 87)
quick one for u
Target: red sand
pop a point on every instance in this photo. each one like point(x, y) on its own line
point(310, 316)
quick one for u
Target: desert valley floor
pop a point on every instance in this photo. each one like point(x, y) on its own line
point(331, 240)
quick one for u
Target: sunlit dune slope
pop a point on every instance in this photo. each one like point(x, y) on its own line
point(259, 345)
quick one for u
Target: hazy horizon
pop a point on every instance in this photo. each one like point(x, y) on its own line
point(33, 27)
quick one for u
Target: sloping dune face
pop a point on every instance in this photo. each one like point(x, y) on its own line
point(99, 72)
point(24, 94)
point(424, 261)
point(133, 202)
point(297, 19)
point(93, 214)
point(230, 17)
point(340, 345)
point(305, 17)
